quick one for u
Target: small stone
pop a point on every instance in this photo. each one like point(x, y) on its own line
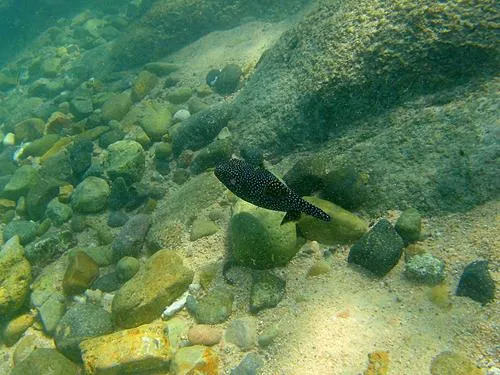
point(116, 107)
point(207, 274)
point(126, 268)
point(318, 268)
point(242, 333)
point(477, 283)
point(196, 359)
point(125, 159)
point(425, 268)
point(202, 334)
point(214, 308)
point(181, 115)
point(144, 83)
point(81, 272)
point(267, 291)
point(81, 107)
point(16, 327)
point(58, 212)
point(180, 95)
point(131, 237)
point(51, 312)
point(249, 365)
point(409, 225)
point(163, 151)
point(25, 230)
point(203, 228)
point(21, 182)
point(91, 195)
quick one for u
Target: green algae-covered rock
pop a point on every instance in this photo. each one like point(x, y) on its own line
point(155, 120)
point(161, 68)
point(40, 146)
point(180, 95)
point(81, 272)
point(143, 84)
point(39, 196)
point(409, 225)
point(25, 230)
point(125, 159)
point(82, 321)
point(29, 129)
point(116, 107)
point(379, 249)
point(45, 361)
point(58, 212)
point(162, 280)
point(344, 227)
point(257, 238)
point(267, 291)
point(91, 195)
point(214, 308)
point(15, 277)
point(21, 182)
point(126, 268)
point(210, 156)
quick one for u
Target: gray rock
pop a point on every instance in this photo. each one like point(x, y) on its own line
point(80, 322)
point(91, 195)
point(57, 167)
point(378, 250)
point(117, 218)
point(125, 159)
point(26, 230)
point(202, 228)
point(51, 312)
point(214, 308)
point(45, 361)
point(267, 291)
point(242, 333)
point(425, 268)
point(131, 237)
point(58, 212)
point(249, 365)
point(81, 107)
point(409, 225)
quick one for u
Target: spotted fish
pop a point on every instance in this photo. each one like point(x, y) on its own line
point(261, 188)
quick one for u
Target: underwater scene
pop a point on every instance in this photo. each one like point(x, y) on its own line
point(259, 187)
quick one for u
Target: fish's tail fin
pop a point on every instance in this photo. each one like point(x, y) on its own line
point(317, 212)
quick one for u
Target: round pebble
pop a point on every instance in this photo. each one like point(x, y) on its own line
point(204, 334)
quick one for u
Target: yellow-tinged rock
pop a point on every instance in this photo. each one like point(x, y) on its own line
point(135, 350)
point(6, 205)
point(16, 327)
point(378, 363)
point(65, 192)
point(58, 146)
point(196, 359)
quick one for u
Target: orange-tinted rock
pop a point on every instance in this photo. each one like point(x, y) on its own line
point(197, 359)
point(204, 334)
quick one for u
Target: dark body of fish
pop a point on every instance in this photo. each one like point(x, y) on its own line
point(260, 187)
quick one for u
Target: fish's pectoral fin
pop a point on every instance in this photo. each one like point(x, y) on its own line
point(290, 216)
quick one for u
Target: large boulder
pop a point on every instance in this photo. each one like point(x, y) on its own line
point(160, 282)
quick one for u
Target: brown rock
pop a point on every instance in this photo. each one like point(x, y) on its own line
point(204, 334)
point(81, 272)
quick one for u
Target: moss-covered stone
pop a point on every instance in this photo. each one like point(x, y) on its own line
point(116, 107)
point(344, 227)
point(451, 363)
point(216, 152)
point(195, 359)
point(29, 129)
point(91, 195)
point(25, 230)
point(155, 120)
point(214, 308)
point(125, 159)
point(159, 283)
point(143, 84)
point(425, 268)
point(203, 228)
point(21, 182)
point(267, 291)
point(180, 95)
point(257, 238)
point(40, 146)
point(409, 225)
